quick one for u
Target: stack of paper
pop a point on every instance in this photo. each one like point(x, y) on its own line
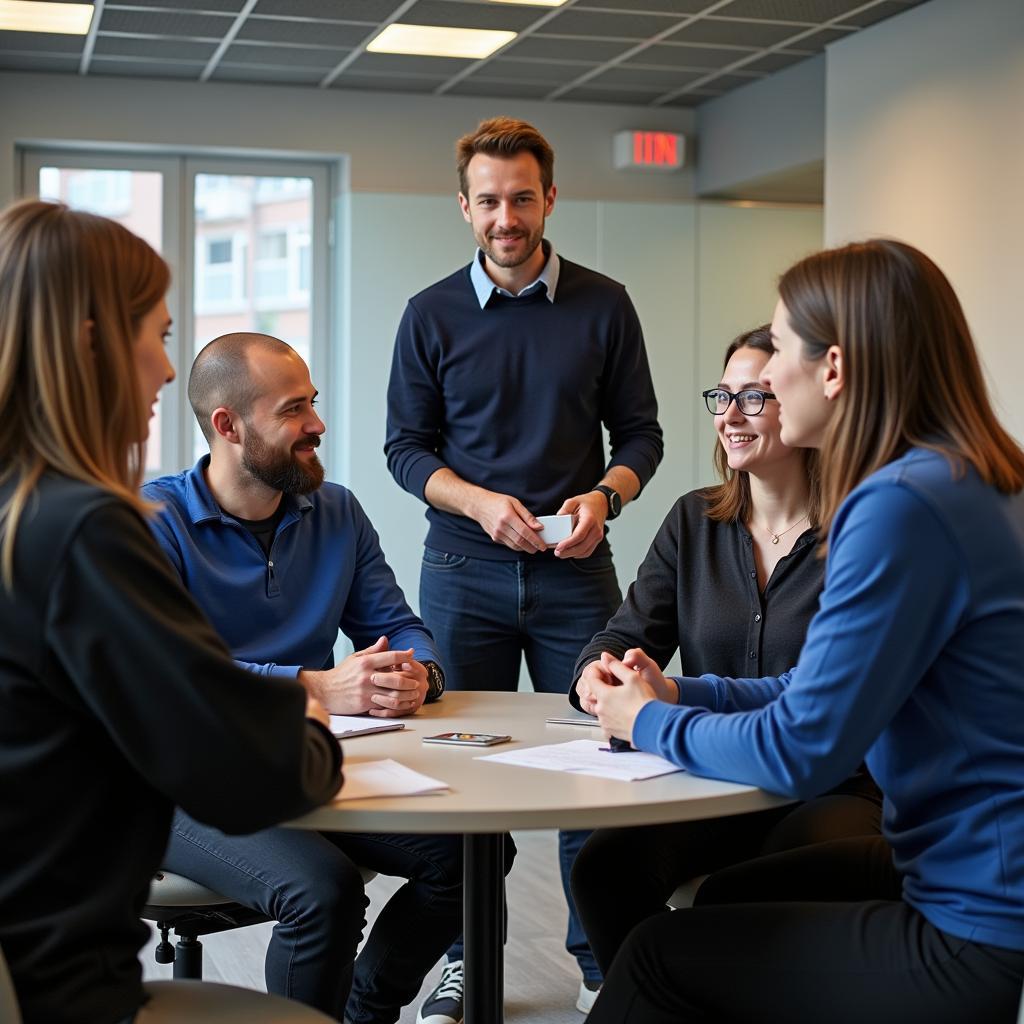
point(588, 757)
point(384, 778)
point(347, 726)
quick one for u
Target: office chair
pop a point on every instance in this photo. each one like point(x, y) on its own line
point(190, 910)
point(683, 896)
point(191, 1002)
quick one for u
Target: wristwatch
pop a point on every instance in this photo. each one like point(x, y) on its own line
point(614, 501)
point(435, 681)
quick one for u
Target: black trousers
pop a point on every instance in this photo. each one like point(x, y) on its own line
point(802, 960)
point(622, 876)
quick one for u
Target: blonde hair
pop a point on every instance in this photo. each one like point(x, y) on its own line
point(912, 375)
point(69, 397)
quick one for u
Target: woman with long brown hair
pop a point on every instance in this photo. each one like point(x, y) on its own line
point(731, 582)
point(117, 699)
point(913, 662)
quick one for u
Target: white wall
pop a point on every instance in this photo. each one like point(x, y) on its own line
point(925, 142)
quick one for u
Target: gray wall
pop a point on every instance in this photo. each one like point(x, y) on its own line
point(924, 142)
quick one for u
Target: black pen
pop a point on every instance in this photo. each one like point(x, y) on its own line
point(617, 746)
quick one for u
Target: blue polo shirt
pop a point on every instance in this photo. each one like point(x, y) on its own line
point(279, 614)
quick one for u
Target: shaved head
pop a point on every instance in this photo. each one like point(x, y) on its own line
point(222, 375)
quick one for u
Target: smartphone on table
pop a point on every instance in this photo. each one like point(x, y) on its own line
point(468, 739)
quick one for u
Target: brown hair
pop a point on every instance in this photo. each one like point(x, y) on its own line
point(505, 137)
point(729, 501)
point(70, 403)
point(912, 375)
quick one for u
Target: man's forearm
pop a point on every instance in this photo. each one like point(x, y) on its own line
point(623, 480)
point(447, 491)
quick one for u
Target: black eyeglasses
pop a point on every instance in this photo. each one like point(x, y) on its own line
point(750, 401)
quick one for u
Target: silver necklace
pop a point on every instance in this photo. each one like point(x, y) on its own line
point(775, 536)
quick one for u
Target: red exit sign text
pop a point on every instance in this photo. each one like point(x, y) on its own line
point(646, 150)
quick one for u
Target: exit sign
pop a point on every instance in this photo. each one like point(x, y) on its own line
point(655, 151)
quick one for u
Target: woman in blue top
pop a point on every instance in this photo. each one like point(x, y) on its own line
point(914, 662)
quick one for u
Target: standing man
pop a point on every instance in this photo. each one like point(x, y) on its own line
point(280, 561)
point(503, 374)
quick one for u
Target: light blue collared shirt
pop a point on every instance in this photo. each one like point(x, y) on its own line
point(485, 287)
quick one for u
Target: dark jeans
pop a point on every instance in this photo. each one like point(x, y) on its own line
point(837, 944)
point(487, 615)
point(625, 875)
point(309, 884)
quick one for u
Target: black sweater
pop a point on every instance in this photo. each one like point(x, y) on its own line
point(118, 701)
point(511, 397)
point(697, 590)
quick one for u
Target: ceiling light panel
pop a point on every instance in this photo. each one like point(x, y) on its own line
point(36, 16)
point(440, 41)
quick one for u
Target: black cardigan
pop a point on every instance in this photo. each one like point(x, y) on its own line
point(118, 701)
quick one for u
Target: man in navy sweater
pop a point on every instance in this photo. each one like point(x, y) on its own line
point(503, 374)
point(280, 561)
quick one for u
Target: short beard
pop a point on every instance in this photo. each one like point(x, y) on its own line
point(281, 471)
point(507, 262)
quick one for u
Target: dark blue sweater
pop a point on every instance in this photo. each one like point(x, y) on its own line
point(511, 397)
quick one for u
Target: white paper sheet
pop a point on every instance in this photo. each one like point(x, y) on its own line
point(585, 757)
point(384, 778)
point(347, 726)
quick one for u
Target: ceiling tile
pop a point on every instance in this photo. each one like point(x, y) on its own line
point(810, 11)
point(734, 33)
point(776, 61)
point(724, 83)
point(510, 17)
point(531, 70)
point(819, 40)
point(303, 33)
point(509, 90)
point(41, 42)
point(292, 56)
point(226, 72)
point(168, 49)
point(674, 56)
point(678, 7)
point(593, 94)
point(370, 11)
point(388, 83)
point(615, 26)
point(166, 23)
point(402, 63)
point(145, 69)
point(38, 62)
point(689, 99)
point(559, 47)
point(661, 79)
point(227, 6)
point(877, 13)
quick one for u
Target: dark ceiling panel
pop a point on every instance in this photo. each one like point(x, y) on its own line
point(772, 62)
point(558, 47)
point(370, 11)
point(509, 17)
point(41, 42)
point(734, 33)
point(809, 11)
point(877, 13)
point(292, 56)
point(531, 70)
point(669, 56)
point(167, 49)
point(724, 83)
point(691, 99)
point(663, 80)
point(611, 26)
point(279, 76)
point(145, 69)
point(677, 7)
point(166, 23)
point(227, 6)
point(819, 40)
point(593, 94)
point(37, 62)
point(303, 33)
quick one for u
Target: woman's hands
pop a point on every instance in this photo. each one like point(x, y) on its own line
point(615, 690)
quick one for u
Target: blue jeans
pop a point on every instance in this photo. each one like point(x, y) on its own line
point(309, 884)
point(486, 615)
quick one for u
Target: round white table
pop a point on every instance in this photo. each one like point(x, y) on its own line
point(487, 799)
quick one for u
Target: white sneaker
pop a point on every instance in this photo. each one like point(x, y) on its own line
point(587, 996)
point(444, 1004)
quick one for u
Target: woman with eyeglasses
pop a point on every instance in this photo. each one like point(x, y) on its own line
point(914, 661)
point(117, 699)
point(732, 579)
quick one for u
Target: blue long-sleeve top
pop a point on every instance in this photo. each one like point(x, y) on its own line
point(511, 396)
point(915, 663)
point(326, 571)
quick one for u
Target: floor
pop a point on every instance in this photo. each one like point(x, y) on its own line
point(541, 979)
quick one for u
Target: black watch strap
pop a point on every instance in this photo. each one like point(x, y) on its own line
point(613, 499)
point(435, 681)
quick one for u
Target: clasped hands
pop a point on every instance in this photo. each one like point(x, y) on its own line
point(506, 520)
point(615, 690)
point(382, 682)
